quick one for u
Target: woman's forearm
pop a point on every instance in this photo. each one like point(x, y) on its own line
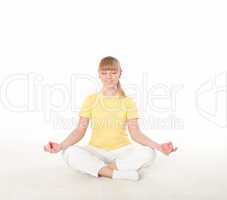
point(73, 138)
point(144, 140)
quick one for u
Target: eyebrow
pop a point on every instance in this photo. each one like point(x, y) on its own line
point(108, 70)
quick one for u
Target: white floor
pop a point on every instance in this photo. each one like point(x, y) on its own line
point(28, 173)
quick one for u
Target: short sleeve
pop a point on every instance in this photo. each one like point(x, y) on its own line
point(131, 109)
point(85, 109)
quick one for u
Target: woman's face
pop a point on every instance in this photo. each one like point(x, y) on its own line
point(109, 78)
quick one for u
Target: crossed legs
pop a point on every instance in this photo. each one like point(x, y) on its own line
point(84, 161)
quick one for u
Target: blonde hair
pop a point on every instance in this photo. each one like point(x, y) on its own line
point(111, 63)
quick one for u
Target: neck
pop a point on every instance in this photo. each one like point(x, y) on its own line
point(109, 91)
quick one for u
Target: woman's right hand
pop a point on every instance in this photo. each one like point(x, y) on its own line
point(52, 147)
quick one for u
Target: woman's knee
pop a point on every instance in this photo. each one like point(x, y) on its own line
point(70, 151)
point(148, 154)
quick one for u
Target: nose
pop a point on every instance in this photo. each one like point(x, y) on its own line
point(109, 76)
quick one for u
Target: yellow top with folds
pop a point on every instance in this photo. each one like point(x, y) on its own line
point(108, 115)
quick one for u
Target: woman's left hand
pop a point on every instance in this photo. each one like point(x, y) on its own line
point(167, 148)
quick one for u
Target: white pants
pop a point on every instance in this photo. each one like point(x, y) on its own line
point(89, 159)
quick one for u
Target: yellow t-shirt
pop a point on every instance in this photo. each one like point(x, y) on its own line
point(108, 115)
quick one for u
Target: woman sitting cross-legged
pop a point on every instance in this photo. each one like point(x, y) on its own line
point(110, 153)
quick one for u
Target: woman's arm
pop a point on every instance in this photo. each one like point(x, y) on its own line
point(73, 138)
point(77, 134)
point(140, 138)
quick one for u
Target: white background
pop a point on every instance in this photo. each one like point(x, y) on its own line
point(172, 43)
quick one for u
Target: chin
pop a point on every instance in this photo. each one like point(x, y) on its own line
point(110, 86)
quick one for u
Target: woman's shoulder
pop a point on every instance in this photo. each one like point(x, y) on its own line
point(129, 101)
point(128, 98)
point(92, 96)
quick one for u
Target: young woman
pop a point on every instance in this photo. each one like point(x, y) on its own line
point(110, 152)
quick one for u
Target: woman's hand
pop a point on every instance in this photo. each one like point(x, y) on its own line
point(167, 148)
point(52, 147)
